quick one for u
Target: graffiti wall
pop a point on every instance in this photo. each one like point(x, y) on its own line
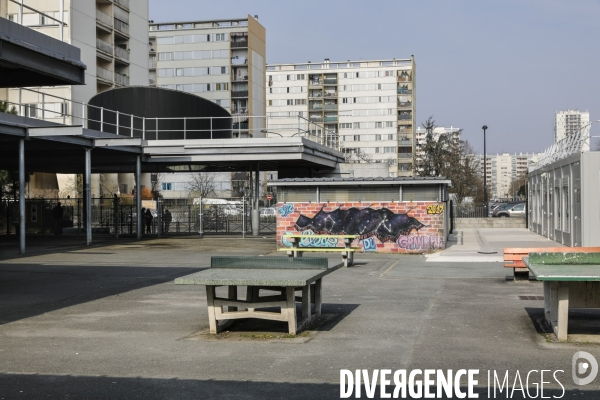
point(383, 227)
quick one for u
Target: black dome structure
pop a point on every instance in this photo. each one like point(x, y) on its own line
point(158, 114)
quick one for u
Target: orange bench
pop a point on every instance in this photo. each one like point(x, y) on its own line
point(513, 257)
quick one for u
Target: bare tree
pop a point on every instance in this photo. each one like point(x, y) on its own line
point(437, 155)
point(201, 184)
point(358, 156)
point(464, 172)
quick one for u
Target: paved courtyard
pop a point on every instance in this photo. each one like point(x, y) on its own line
point(108, 322)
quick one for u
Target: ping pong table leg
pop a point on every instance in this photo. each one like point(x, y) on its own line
point(232, 296)
point(210, 301)
point(306, 302)
point(318, 297)
point(291, 309)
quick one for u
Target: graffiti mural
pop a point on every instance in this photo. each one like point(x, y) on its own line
point(369, 244)
point(383, 224)
point(310, 241)
point(285, 210)
point(420, 242)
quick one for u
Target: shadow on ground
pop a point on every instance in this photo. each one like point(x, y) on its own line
point(106, 387)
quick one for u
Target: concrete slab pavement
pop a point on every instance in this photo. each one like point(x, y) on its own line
point(108, 323)
point(487, 244)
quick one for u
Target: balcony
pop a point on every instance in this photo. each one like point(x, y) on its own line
point(152, 82)
point(330, 94)
point(330, 119)
point(404, 91)
point(122, 27)
point(104, 20)
point(330, 81)
point(330, 106)
point(121, 80)
point(316, 118)
point(404, 117)
point(404, 155)
point(104, 47)
point(122, 54)
point(315, 94)
point(315, 83)
point(239, 93)
point(238, 44)
point(404, 105)
point(240, 78)
point(403, 129)
point(151, 64)
point(237, 60)
point(104, 75)
point(404, 141)
point(123, 3)
point(316, 106)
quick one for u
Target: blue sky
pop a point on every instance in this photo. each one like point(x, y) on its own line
point(509, 64)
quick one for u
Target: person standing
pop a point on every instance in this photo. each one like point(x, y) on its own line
point(57, 213)
point(167, 218)
point(149, 219)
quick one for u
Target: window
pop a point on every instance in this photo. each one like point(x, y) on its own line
point(202, 87)
point(270, 102)
point(378, 125)
point(178, 39)
point(288, 77)
point(201, 38)
point(377, 137)
point(220, 54)
point(165, 72)
point(222, 86)
point(300, 77)
point(356, 138)
point(290, 102)
point(165, 40)
point(300, 102)
point(220, 37)
point(389, 124)
point(345, 126)
point(357, 125)
point(201, 71)
point(201, 54)
point(167, 186)
point(179, 72)
point(165, 56)
point(219, 70)
point(31, 110)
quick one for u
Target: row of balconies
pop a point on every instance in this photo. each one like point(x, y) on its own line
point(109, 49)
point(109, 22)
point(238, 44)
point(112, 77)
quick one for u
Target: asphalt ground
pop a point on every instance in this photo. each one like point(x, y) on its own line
point(107, 322)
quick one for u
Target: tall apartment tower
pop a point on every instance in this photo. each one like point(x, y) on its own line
point(220, 60)
point(569, 122)
point(366, 106)
point(502, 171)
point(113, 39)
point(112, 36)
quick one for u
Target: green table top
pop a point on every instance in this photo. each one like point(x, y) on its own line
point(564, 272)
point(257, 276)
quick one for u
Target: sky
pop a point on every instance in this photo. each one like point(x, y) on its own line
point(507, 64)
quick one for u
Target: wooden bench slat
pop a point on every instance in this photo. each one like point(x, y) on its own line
point(320, 249)
point(513, 257)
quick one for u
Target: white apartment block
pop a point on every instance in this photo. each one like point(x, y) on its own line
point(220, 60)
point(503, 169)
point(113, 38)
point(569, 122)
point(366, 106)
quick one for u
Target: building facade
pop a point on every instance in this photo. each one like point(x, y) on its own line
point(220, 60)
point(113, 39)
point(569, 122)
point(367, 108)
point(504, 171)
point(421, 136)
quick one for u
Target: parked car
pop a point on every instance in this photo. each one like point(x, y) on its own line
point(267, 212)
point(510, 210)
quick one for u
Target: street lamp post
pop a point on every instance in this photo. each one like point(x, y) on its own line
point(485, 202)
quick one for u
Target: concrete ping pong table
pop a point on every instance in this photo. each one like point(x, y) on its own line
point(282, 274)
point(571, 280)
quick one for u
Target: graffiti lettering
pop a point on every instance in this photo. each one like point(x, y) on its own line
point(435, 209)
point(317, 241)
point(370, 244)
point(420, 242)
point(285, 210)
point(286, 242)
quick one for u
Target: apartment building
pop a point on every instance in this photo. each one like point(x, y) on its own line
point(220, 60)
point(503, 170)
point(569, 122)
point(365, 107)
point(113, 38)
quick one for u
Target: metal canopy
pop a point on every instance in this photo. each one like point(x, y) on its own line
point(30, 58)
point(61, 149)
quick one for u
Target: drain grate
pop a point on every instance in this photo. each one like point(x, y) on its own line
point(531, 297)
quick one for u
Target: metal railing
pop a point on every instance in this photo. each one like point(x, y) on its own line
point(330, 106)
point(121, 79)
point(104, 46)
point(242, 43)
point(59, 23)
point(330, 119)
point(404, 117)
point(124, 3)
point(469, 211)
point(152, 64)
point(104, 74)
point(34, 104)
point(104, 18)
point(122, 27)
point(122, 53)
point(330, 81)
point(239, 93)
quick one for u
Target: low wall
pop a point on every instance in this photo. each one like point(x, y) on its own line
point(384, 227)
point(489, 223)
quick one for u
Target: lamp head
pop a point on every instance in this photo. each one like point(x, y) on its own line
point(484, 127)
